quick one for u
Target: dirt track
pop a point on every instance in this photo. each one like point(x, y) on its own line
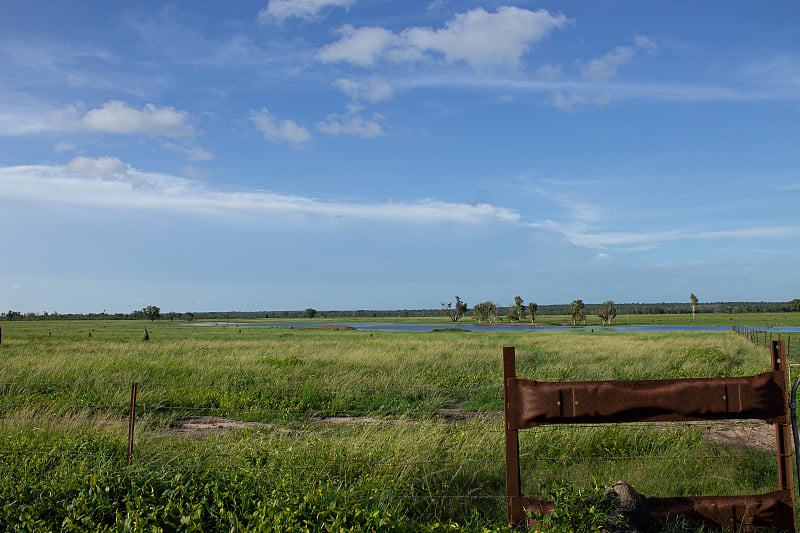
point(753, 433)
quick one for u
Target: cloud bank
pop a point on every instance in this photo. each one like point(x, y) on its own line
point(479, 38)
point(109, 183)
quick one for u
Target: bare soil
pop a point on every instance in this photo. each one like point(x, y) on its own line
point(751, 433)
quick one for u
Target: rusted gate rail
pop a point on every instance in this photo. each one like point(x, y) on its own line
point(532, 403)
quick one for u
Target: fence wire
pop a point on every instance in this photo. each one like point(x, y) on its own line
point(150, 433)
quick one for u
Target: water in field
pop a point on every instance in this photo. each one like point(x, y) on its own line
point(406, 326)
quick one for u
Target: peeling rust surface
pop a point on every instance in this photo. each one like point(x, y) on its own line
point(749, 513)
point(745, 514)
point(755, 397)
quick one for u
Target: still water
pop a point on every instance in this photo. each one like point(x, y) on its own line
point(406, 326)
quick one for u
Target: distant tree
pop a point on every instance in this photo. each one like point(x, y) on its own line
point(478, 314)
point(795, 305)
point(151, 311)
point(519, 307)
point(532, 307)
point(577, 310)
point(13, 315)
point(457, 312)
point(484, 311)
point(311, 312)
point(606, 311)
point(405, 313)
point(188, 317)
point(693, 300)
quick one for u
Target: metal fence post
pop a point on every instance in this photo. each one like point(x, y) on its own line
point(782, 436)
point(131, 423)
point(513, 495)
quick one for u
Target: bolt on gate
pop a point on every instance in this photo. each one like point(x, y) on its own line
point(764, 396)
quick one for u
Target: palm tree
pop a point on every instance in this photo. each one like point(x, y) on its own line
point(577, 311)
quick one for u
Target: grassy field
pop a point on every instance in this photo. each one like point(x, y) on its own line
point(350, 430)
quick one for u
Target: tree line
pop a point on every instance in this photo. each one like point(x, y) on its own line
point(485, 311)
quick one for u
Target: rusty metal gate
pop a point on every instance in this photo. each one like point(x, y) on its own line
point(764, 396)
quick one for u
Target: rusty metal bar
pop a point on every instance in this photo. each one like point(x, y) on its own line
point(762, 396)
point(515, 511)
point(131, 423)
point(745, 513)
point(530, 403)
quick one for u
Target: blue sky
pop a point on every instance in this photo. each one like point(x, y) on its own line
point(371, 154)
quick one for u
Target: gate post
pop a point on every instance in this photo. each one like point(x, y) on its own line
point(782, 435)
point(513, 495)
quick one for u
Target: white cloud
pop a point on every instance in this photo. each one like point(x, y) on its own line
point(549, 72)
point(579, 236)
point(646, 44)
point(65, 147)
point(569, 102)
point(606, 66)
point(485, 39)
point(24, 120)
point(280, 10)
point(192, 152)
point(196, 173)
point(477, 37)
point(101, 167)
point(360, 46)
point(16, 286)
point(353, 124)
point(276, 130)
point(117, 117)
point(137, 190)
point(372, 90)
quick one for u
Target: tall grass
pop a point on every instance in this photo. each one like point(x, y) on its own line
point(64, 402)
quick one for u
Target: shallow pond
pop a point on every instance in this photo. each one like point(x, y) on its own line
point(406, 326)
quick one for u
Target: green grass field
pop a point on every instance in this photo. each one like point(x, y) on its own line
point(412, 449)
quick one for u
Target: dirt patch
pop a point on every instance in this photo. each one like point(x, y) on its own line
point(336, 326)
point(753, 434)
point(202, 426)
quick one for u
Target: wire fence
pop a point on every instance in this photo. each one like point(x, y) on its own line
point(764, 337)
point(152, 420)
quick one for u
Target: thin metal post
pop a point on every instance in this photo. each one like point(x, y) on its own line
point(515, 512)
point(131, 423)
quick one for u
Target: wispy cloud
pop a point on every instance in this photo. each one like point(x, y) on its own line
point(109, 183)
point(64, 147)
point(372, 90)
point(279, 130)
point(193, 153)
point(579, 236)
point(280, 10)
point(352, 123)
